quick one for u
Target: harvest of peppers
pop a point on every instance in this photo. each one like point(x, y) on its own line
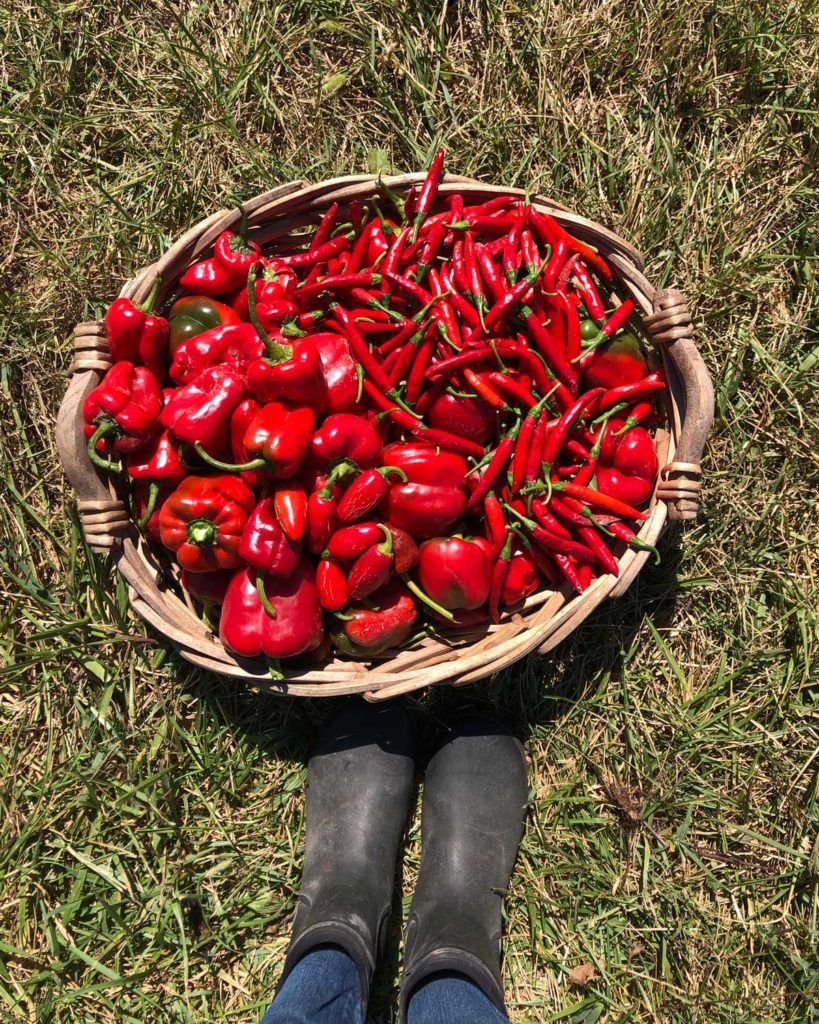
point(404, 421)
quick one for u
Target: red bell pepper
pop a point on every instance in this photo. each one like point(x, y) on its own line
point(278, 438)
point(349, 542)
point(235, 252)
point(345, 437)
point(470, 418)
point(456, 571)
point(241, 418)
point(633, 470)
point(341, 372)
point(158, 464)
point(522, 577)
point(385, 621)
point(122, 412)
point(423, 510)
point(277, 281)
point(423, 464)
point(137, 335)
point(616, 363)
point(373, 568)
point(209, 277)
point(209, 587)
point(264, 544)
point(232, 345)
point(200, 412)
point(246, 626)
point(202, 521)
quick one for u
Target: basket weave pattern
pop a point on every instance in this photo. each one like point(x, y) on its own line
point(547, 617)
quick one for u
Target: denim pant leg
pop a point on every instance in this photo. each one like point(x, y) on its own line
point(323, 988)
point(451, 998)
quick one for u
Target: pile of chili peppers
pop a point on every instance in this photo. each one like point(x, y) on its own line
point(406, 421)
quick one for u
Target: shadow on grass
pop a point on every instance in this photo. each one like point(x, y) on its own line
point(530, 696)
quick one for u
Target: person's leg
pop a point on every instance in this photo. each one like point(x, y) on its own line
point(451, 998)
point(472, 821)
point(323, 988)
point(359, 783)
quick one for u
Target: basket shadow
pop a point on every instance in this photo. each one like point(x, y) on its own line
point(534, 693)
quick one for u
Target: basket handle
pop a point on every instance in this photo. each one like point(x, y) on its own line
point(670, 326)
point(105, 518)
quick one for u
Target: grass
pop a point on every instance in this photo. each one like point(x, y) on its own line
point(152, 816)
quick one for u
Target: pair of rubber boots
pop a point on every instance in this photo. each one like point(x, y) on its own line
point(360, 780)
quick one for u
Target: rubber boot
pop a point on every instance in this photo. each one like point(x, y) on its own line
point(359, 784)
point(475, 795)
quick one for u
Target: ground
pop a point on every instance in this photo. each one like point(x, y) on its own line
point(152, 816)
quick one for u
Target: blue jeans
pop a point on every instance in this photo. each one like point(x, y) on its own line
point(323, 988)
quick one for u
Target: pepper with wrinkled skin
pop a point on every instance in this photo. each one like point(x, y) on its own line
point(373, 568)
point(200, 412)
point(202, 522)
point(136, 334)
point(631, 470)
point(240, 419)
point(233, 345)
point(385, 621)
point(456, 572)
point(366, 493)
point(122, 412)
point(246, 626)
point(277, 281)
point(194, 314)
point(340, 372)
point(278, 438)
point(522, 577)
point(322, 509)
point(234, 251)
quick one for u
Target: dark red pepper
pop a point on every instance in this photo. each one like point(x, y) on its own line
point(373, 568)
point(121, 413)
point(136, 334)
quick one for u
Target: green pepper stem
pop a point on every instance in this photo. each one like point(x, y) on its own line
point(425, 598)
point(268, 607)
point(386, 470)
point(275, 669)
point(229, 467)
point(202, 532)
point(148, 305)
point(106, 426)
point(386, 546)
point(153, 492)
point(276, 353)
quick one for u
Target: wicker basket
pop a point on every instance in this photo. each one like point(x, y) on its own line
point(547, 617)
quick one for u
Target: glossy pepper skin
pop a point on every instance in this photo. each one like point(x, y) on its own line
point(277, 281)
point(423, 464)
point(200, 412)
point(264, 544)
point(472, 418)
point(202, 522)
point(233, 345)
point(455, 571)
point(366, 493)
point(246, 627)
point(631, 469)
point(136, 334)
point(122, 412)
point(332, 585)
point(279, 436)
point(522, 577)
point(234, 251)
point(343, 436)
point(208, 586)
point(340, 372)
point(387, 620)
point(240, 419)
point(195, 314)
point(423, 510)
point(290, 502)
point(373, 568)
point(616, 363)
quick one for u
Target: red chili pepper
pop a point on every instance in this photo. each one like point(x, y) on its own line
point(517, 471)
point(496, 466)
point(617, 318)
point(344, 437)
point(449, 442)
point(322, 508)
point(511, 248)
point(429, 189)
point(627, 393)
point(360, 349)
point(137, 335)
point(290, 502)
point(556, 263)
point(264, 544)
point(473, 276)
point(392, 406)
point(530, 252)
point(500, 571)
point(444, 311)
point(202, 522)
point(535, 457)
point(496, 528)
point(122, 412)
point(591, 297)
point(246, 626)
point(416, 377)
point(430, 249)
point(490, 273)
point(595, 543)
point(337, 282)
point(325, 228)
point(542, 514)
point(562, 283)
point(472, 357)
point(513, 298)
point(366, 493)
point(549, 231)
point(200, 412)
point(624, 532)
point(553, 543)
point(467, 311)
point(159, 464)
point(564, 426)
point(639, 413)
point(210, 277)
point(599, 500)
point(423, 510)
point(481, 386)
point(572, 575)
point(320, 255)
point(332, 585)
point(373, 568)
point(233, 345)
point(512, 388)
